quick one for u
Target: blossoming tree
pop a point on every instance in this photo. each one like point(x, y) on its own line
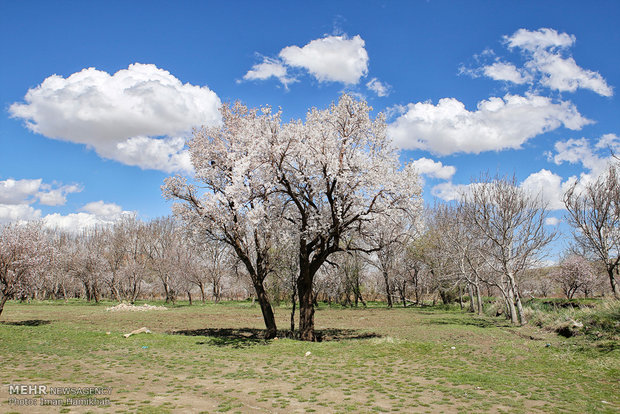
point(23, 250)
point(309, 183)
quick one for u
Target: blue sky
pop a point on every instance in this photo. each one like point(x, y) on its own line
point(526, 88)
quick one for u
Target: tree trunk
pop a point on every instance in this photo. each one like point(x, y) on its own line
point(265, 307)
point(511, 306)
point(471, 297)
point(479, 299)
point(612, 281)
point(96, 293)
point(167, 292)
point(216, 291)
point(87, 290)
point(294, 302)
point(189, 296)
point(388, 290)
point(2, 302)
point(306, 306)
point(202, 292)
point(517, 299)
point(417, 294)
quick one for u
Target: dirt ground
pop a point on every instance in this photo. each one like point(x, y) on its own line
point(211, 358)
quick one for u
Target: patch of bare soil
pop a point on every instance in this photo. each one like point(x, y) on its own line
point(125, 307)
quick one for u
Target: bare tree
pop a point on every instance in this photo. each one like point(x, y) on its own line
point(461, 240)
point(87, 264)
point(212, 261)
point(512, 223)
point(162, 246)
point(389, 238)
point(594, 212)
point(133, 270)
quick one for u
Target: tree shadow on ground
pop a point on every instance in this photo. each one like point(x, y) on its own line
point(608, 346)
point(31, 322)
point(248, 337)
point(480, 323)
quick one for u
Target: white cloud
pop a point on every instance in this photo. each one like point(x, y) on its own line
point(100, 110)
point(380, 88)
point(543, 184)
point(17, 197)
point(539, 39)
point(56, 196)
point(102, 209)
point(506, 72)
point(18, 191)
point(564, 75)
point(435, 169)
point(543, 49)
point(18, 212)
point(26, 191)
point(497, 124)
point(74, 222)
point(94, 214)
point(548, 186)
point(552, 221)
point(594, 158)
point(166, 154)
point(270, 68)
point(609, 142)
point(546, 62)
point(574, 151)
point(449, 191)
point(330, 59)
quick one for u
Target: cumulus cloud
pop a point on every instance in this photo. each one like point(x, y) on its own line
point(270, 68)
point(497, 123)
point(435, 169)
point(102, 209)
point(74, 222)
point(56, 196)
point(18, 191)
point(17, 198)
point(593, 158)
point(544, 50)
point(548, 186)
point(544, 184)
point(552, 221)
point(159, 154)
point(575, 151)
point(26, 191)
point(18, 212)
point(380, 88)
point(544, 38)
point(94, 214)
point(547, 61)
point(506, 72)
point(328, 59)
point(564, 75)
point(106, 112)
point(449, 191)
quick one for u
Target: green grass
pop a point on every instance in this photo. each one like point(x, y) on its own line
point(379, 360)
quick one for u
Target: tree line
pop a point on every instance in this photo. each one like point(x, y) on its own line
point(307, 211)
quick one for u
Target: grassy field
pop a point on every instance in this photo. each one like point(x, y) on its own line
point(210, 358)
